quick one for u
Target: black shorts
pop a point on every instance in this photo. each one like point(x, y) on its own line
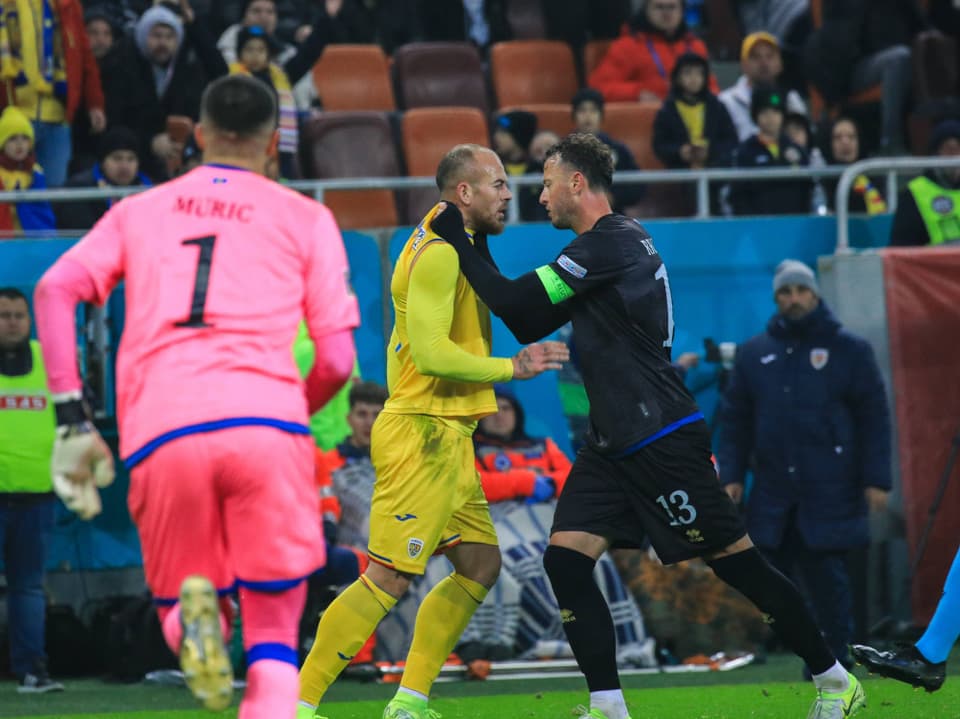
point(667, 492)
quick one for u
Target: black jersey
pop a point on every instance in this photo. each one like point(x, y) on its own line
point(622, 315)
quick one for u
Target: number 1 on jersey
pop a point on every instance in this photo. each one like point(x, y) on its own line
point(661, 274)
point(201, 280)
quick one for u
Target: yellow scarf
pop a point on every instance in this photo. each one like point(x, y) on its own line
point(872, 198)
point(31, 50)
point(289, 129)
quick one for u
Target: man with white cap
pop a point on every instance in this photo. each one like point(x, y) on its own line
point(762, 64)
point(805, 410)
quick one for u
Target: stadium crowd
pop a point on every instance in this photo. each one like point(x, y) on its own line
point(111, 95)
point(106, 93)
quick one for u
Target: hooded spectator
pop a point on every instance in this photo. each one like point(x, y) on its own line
point(693, 129)
point(255, 50)
point(928, 211)
point(512, 134)
point(843, 147)
point(118, 165)
point(20, 171)
point(639, 64)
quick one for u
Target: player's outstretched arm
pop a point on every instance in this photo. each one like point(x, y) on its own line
point(81, 461)
point(523, 304)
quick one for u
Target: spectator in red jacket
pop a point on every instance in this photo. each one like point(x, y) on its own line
point(639, 64)
point(512, 464)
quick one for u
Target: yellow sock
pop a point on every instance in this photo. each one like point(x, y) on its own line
point(443, 615)
point(344, 628)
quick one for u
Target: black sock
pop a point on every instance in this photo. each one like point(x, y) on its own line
point(778, 598)
point(586, 616)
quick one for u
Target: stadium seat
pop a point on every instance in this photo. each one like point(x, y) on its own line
point(593, 53)
point(354, 77)
point(439, 74)
point(526, 20)
point(428, 134)
point(555, 117)
point(526, 72)
point(632, 124)
point(353, 144)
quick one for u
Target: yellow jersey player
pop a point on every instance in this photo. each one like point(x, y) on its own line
point(428, 497)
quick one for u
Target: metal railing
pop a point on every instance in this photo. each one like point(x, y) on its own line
point(318, 188)
point(892, 166)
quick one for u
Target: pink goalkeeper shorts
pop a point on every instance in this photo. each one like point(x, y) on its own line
point(238, 506)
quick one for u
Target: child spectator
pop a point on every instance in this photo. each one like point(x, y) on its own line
point(797, 128)
point(770, 148)
point(512, 134)
point(255, 50)
point(587, 107)
point(118, 165)
point(20, 171)
point(693, 129)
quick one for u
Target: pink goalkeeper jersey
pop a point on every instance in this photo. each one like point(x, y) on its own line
point(219, 266)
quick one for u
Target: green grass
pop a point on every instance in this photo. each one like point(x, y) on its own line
point(758, 692)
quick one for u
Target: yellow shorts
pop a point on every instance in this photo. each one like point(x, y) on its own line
point(427, 497)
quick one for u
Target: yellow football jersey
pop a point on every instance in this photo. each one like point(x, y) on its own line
point(438, 359)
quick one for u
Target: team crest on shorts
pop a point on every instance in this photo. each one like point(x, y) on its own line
point(414, 547)
point(819, 357)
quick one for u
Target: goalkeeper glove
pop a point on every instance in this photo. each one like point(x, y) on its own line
point(81, 460)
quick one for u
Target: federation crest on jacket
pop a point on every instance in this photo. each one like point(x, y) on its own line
point(819, 356)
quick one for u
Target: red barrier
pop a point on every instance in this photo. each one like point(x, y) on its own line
point(922, 288)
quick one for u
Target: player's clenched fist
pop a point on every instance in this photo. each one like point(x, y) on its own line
point(540, 357)
point(81, 463)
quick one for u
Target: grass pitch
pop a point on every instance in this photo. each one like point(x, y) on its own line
point(768, 691)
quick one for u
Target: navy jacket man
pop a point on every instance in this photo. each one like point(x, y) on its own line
point(806, 411)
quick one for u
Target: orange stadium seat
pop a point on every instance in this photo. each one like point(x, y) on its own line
point(526, 20)
point(555, 117)
point(526, 72)
point(353, 144)
point(632, 124)
point(440, 74)
point(354, 77)
point(593, 53)
point(428, 134)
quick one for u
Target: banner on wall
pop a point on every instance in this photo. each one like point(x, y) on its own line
point(922, 287)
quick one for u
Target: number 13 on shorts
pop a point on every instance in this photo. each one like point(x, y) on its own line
point(677, 507)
